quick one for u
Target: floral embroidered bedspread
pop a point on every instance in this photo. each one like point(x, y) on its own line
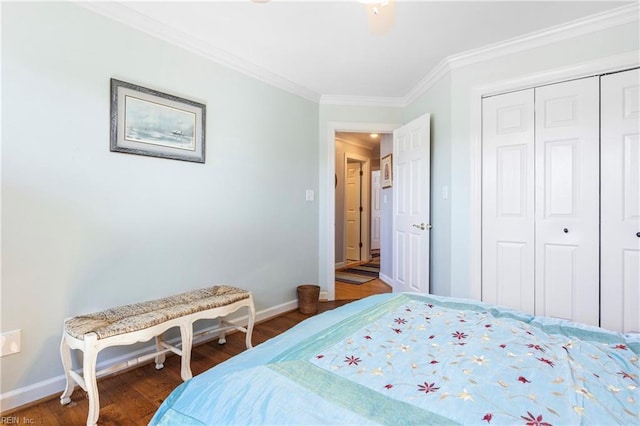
point(416, 359)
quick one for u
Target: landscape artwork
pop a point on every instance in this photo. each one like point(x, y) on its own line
point(152, 123)
point(156, 124)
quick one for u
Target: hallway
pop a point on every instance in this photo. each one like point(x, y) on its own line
point(346, 291)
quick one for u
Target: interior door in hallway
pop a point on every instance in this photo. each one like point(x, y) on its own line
point(411, 203)
point(353, 210)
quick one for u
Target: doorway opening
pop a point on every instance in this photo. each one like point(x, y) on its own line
point(358, 219)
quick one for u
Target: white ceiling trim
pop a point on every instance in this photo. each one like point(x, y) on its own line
point(442, 69)
point(121, 13)
point(589, 24)
point(362, 101)
point(355, 143)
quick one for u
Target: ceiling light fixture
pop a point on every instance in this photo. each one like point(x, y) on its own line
point(380, 15)
point(375, 5)
point(375, 2)
point(373, 135)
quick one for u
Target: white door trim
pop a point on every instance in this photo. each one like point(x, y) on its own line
point(585, 69)
point(328, 227)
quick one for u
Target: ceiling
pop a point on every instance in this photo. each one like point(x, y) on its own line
point(365, 140)
point(327, 48)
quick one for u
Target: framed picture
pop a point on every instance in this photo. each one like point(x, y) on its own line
point(148, 122)
point(386, 169)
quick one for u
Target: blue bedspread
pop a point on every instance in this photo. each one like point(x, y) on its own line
point(417, 359)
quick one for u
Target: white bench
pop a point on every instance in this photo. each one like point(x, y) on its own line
point(140, 322)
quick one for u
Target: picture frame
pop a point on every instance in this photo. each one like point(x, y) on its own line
point(156, 124)
point(386, 171)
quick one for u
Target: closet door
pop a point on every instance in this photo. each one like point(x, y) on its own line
point(620, 165)
point(507, 200)
point(567, 200)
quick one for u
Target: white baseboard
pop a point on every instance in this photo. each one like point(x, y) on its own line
point(55, 385)
point(386, 279)
point(274, 311)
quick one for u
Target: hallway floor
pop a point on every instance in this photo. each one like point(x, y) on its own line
point(346, 291)
point(351, 292)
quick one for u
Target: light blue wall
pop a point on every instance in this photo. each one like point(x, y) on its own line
point(437, 102)
point(84, 228)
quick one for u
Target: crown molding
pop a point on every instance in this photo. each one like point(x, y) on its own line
point(590, 24)
point(442, 69)
point(593, 23)
point(362, 101)
point(119, 12)
point(368, 146)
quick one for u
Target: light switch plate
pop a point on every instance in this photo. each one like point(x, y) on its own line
point(11, 342)
point(445, 192)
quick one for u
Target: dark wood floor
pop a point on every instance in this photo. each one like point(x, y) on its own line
point(132, 397)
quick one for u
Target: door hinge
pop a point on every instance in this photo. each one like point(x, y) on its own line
point(361, 173)
point(361, 209)
point(360, 245)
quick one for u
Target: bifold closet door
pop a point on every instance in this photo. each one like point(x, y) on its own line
point(508, 200)
point(567, 200)
point(620, 228)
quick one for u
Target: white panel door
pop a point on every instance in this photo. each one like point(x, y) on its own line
point(508, 200)
point(411, 201)
point(620, 210)
point(375, 210)
point(352, 211)
point(567, 200)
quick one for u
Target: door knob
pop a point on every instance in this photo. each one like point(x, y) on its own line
point(638, 234)
point(422, 226)
point(565, 230)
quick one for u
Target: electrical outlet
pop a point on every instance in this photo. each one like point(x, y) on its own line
point(11, 342)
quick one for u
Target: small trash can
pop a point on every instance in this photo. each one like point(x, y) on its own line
point(308, 296)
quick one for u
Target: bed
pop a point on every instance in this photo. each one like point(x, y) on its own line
point(420, 359)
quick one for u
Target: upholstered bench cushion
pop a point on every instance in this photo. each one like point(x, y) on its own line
point(138, 316)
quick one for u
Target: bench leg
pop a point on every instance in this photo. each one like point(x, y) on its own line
point(186, 333)
point(161, 356)
point(65, 354)
point(222, 336)
point(90, 380)
point(252, 319)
